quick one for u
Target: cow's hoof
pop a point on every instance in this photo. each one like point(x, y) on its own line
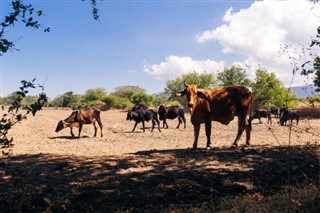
point(208, 147)
point(234, 147)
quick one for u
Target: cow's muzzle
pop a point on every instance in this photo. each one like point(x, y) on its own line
point(190, 105)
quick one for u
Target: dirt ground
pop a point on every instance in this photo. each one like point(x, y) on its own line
point(128, 171)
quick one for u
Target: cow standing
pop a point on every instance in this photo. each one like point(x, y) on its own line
point(171, 112)
point(262, 113)
point(219, 105)
point(144, 115)
point(80, 117)
point(289, 114)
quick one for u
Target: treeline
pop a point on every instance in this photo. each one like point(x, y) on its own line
point(267, 90)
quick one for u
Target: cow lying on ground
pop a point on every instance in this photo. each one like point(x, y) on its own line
point(80, 117)
point(289, 114)
point(142, 116)
point(219, 105)
point(171, 112)
point(262, 113)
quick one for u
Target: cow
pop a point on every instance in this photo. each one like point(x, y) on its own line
point(289, 114)
point(171, 112)
point(275, 111)
point(218, 105)
point(142, 116)
point(80, 117)
point(262, 113)
point(139, 107)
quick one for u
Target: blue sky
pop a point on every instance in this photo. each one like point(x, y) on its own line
point(145, 43)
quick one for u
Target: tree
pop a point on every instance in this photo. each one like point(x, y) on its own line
point(7, 123)
point(27, 14)
point(127, 91)
point(203, 80)
point(233, 75)
point(269, 91)
point(94, 94)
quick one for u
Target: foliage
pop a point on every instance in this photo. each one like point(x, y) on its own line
point(94, 94)
point(109, 100)
point(269, 91)
point(233, 75)
point(27, 14)
point(127, 91)
point(313, 99)
point(203, 80)
point(6, 123)
point(142, 98)
point(24, 13)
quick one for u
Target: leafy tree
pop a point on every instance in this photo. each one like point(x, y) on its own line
point(94, 94)
point(142, 98)
point(27, 14)
point(7, 123)
point(269, 91)
point(127, 91)
point(64, 100)
point(233, 75)
point(203, 80)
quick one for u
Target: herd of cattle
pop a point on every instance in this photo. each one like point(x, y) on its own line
point(205, 106)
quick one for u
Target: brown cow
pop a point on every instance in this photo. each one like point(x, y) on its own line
point(219, 105)
point(80, 117)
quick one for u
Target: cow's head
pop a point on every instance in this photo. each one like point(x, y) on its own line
point(162, 111)
point(191, 94)
point(129, 116)
point(61, 125)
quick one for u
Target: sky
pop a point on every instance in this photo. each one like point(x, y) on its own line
point(145, 43)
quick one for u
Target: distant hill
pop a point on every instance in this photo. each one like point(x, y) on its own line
point(305, 91)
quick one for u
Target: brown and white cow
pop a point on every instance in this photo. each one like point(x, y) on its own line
point(219, 105)
point(80, 117)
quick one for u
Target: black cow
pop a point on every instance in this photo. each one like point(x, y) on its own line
point(289, 114)
point(275, 111)
point(262, 113)
point(142, 116)
point(139, 107)
point(171, 112)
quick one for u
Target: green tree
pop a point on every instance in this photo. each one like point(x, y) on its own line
point(142, 98)
point(233, 75)
point(269, 91)
point(96, 94)
point(26, 14)
point(64, 100)
point(127, 91)
point(203, 80)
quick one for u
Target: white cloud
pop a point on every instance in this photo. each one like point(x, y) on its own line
point(175, 66)
point(259, 31)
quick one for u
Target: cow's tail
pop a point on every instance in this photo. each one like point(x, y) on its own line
point(250, 113)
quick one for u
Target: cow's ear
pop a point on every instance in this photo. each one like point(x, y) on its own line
point(180, 93)
point(201, 94)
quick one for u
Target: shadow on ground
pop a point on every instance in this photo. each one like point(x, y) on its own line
point(160, 180)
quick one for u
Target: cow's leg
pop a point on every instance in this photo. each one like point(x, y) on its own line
point(80, 128)
point(158, 122)
point(71, 132)
point(180, 121)
point(248, 132)
point(260, 122)
point(297, 121)
point(196, 135)
point(100, 125)
point(165, 124)
point(208, 133)
point(95, 128)
point(184, 121)
point(241, 127)
point(135, 125)
point(153, 124)
point(144, 127)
